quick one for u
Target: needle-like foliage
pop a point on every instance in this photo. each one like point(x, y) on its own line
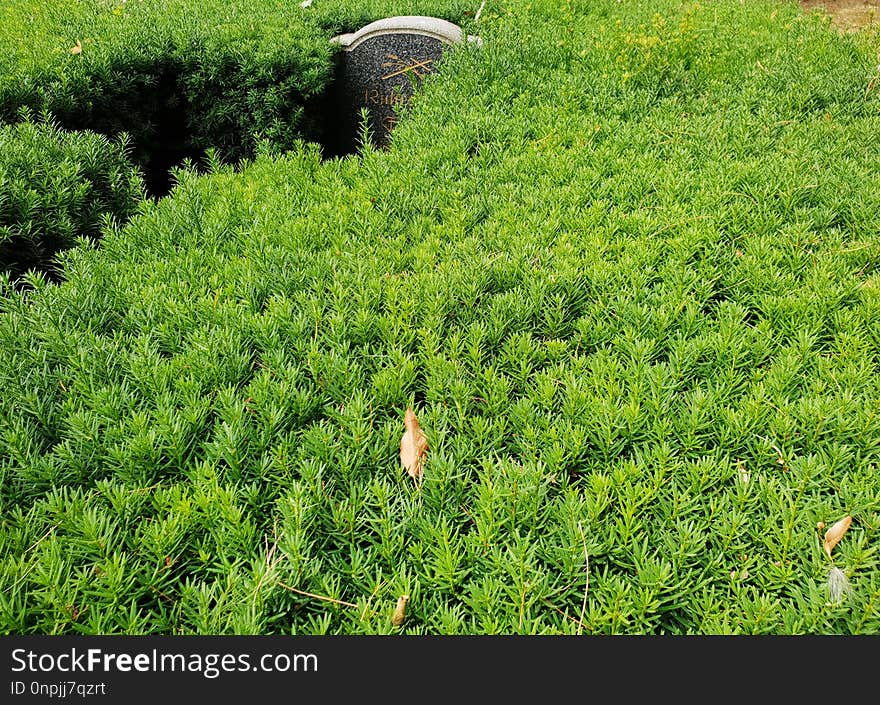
point(621, 260)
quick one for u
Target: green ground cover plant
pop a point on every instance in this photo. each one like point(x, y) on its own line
point(57, 186)
point(621, 260)
point(176, 77)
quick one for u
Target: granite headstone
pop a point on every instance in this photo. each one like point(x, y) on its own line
point(379, 67)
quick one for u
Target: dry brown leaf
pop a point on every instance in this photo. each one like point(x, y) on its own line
point(835, 533)
point(741, 472)
point(78, 48)
point(400, 611)
point(413, 446)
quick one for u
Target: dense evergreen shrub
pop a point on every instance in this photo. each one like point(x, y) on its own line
point(339, 16)
point(177, 77)
point(625, 269)
point(57, 186)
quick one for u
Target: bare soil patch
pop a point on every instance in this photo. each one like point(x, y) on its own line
point(849, 15)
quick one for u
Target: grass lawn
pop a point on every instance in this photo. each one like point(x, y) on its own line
point(621, 260)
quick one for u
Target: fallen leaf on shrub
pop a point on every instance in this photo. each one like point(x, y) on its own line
point(78, 48)
point(835, 533)
point(413, 446)
point(400, 611)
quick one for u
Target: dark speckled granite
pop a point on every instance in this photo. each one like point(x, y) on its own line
point(380, 70)
point(382, 73)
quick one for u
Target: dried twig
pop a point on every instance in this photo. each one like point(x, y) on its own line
point(564, 614)
point(480, 11)
point(317, 597)
point(587, 586)
point(161, 594)
point(28, 550)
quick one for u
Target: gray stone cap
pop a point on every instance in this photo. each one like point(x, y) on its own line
point(433, 27)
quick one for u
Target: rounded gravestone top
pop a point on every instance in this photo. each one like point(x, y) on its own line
point(433, 27)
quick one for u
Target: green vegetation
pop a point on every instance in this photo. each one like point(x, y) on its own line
point(622, 262)
point(178, 79)
point(57, 186)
